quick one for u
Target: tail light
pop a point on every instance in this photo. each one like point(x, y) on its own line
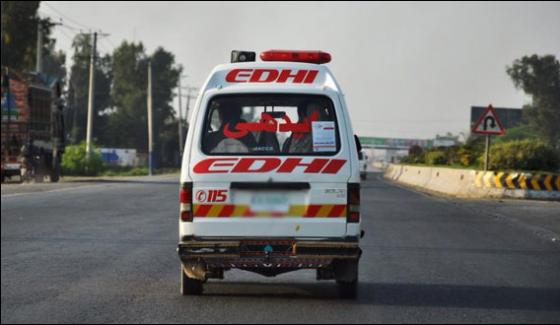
point(185, 201)
point(353, 211)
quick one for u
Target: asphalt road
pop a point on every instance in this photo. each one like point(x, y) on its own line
point(105, 252)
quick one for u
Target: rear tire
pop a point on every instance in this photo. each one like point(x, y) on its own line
point(347, 290)
point(190, 286)
point(346, 274)
point(39, 178)
point(55, 170)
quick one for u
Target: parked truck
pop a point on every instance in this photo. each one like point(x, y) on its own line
point(32, 126)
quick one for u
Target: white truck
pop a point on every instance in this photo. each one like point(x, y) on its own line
point(363, 158)
point(270, 180)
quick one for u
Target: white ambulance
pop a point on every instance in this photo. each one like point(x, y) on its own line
point(270, 179)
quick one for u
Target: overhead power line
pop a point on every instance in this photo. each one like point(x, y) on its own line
point(67, 17)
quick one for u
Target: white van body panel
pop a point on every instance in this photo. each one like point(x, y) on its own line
point(318, 212)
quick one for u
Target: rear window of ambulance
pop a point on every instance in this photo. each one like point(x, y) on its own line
point(270, 124)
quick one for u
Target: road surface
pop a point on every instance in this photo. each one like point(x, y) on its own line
point(105, 252)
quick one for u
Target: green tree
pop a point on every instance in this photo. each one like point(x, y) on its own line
point(165, 75)
point(539, 77)
point(521, 132)
point(54, 62)
point(19, 34)
point(76, 113)
point(127, 123)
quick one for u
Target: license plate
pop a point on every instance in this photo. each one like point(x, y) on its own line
point(269, 202)
point(11, 166)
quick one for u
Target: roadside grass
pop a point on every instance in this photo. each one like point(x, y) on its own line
point(114, 171)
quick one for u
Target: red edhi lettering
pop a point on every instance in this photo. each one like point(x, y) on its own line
point(271, 75)
point(266, 165)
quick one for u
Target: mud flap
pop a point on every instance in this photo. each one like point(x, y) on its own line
point(195, 270)
point(346, 270)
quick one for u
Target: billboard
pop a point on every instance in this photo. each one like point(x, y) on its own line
point(510, 117)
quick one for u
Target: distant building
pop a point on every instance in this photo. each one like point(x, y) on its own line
point(120, 157)
point(446, 141)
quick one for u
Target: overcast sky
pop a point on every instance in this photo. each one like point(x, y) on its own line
point(408, 70)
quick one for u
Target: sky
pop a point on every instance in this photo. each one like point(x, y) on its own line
point(408, 70)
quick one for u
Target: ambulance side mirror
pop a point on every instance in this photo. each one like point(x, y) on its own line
point(358, 144)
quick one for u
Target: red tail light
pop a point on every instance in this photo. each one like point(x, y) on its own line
point(353, 211)
point(185, 201)
point(317, 57)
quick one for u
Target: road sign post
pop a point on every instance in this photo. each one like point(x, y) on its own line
point(488, 124)
point(487, 153)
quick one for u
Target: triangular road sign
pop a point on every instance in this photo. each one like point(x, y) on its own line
point(488, 123)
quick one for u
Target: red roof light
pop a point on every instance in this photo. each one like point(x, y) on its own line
point(317, 57)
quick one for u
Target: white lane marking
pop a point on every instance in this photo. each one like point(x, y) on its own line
point(80, 187)
point(51, 191)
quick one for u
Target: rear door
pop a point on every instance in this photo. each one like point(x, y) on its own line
point(270, 165)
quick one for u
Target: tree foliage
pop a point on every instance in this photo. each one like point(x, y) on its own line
point(54, 62)
point(539, 77)
point(127, 123)
point(19, 34)
point(120, 97)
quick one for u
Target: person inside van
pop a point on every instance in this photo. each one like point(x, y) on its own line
point(217, 142)
point(303, 142)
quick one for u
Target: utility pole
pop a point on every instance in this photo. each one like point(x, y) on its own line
point(487, 153)
point(150, 139)
point(91, 95)
point(189, 96)
point(39, 59)
point(180, 118)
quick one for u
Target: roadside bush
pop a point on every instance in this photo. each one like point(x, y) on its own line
point(465, 157)
point(523, 155)
point(436, 157)
point(452, 155)
point(420, 159)
point(75, 163)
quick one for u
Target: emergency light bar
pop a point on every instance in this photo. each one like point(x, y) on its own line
point(317, 57)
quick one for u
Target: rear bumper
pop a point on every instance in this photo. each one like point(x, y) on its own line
point(9, 172)
point(288, 253)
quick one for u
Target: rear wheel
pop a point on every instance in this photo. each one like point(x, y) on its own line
point(39, 170)
point(347, 290)
point(39, 177)
point(346, 274)
point(190, 286)
point(54, 174)
point(55, 169)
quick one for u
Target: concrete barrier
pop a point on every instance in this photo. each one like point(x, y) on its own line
point(469, 183)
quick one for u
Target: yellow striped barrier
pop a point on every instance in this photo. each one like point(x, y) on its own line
point(524, 181)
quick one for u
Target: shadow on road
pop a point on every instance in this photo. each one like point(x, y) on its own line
point(403, 294)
